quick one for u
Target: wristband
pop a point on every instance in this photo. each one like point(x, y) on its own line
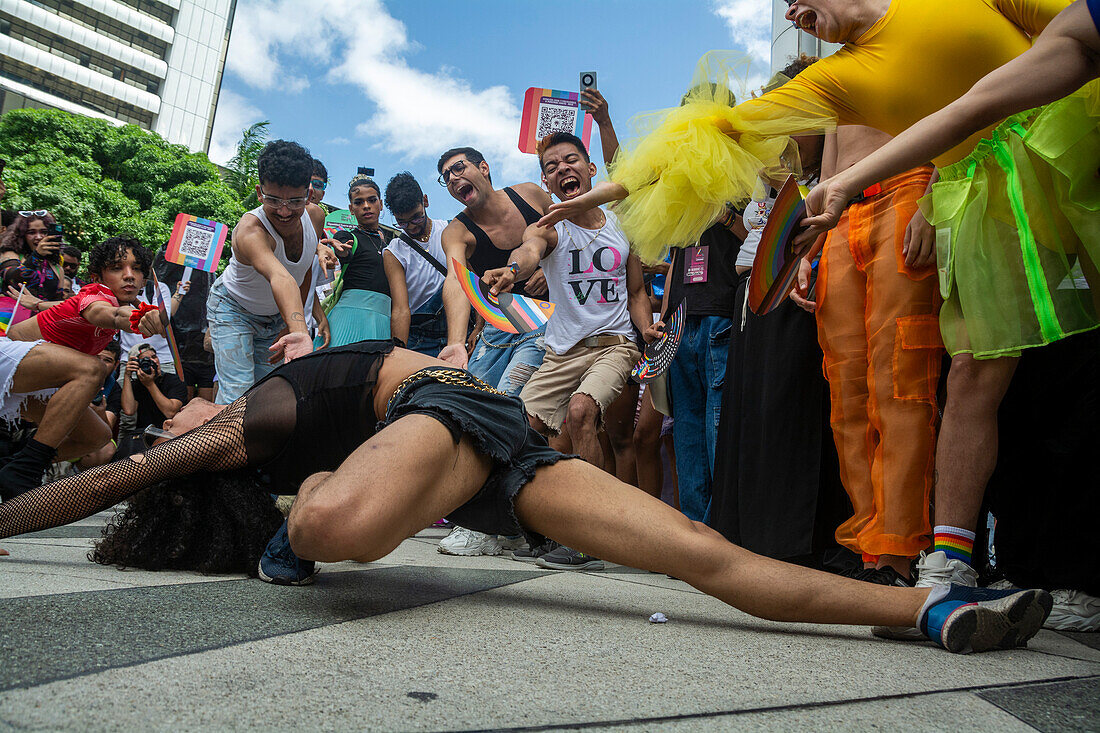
point(138, 313)
point(514, 267)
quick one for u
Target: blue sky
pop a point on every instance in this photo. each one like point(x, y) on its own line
point(391, 85)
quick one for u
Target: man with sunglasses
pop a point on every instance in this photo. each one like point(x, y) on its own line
point(256, 311)
point(416, 282)
point(318, 182)
point(482, 237)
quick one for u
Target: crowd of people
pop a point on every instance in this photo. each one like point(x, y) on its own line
point(854, 428)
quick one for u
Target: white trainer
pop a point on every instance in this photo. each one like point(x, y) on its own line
point(467, 542)
point(935, 568)
point(932, 569)
point(1074, 610)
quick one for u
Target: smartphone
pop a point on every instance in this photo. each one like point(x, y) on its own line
point(588, 81)
point(55, 230)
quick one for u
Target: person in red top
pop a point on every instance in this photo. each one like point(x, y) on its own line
point(48, 369)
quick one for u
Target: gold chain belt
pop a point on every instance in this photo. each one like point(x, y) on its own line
point(444, 375)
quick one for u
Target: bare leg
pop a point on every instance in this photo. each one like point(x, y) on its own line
point(77, 378)
point(89, 435)
point(583, 416)
point(647, 448)
point(384, 492)
point(618, 420)
point(966, 453)
point(591, 511)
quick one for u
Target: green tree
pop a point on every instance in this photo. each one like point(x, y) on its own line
point(100, 180)
point(242, 176)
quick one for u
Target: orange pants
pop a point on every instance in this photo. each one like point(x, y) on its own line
point(878, 327)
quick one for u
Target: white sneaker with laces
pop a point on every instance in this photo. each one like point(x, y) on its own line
point(936, 569)
point(1074, 610)
point(467, 542)
point(932, 569)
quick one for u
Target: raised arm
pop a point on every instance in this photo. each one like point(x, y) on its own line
point(455, 304)
point(1065, 56)
point(251, 247)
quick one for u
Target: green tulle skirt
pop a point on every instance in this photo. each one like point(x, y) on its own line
point(1018, 231)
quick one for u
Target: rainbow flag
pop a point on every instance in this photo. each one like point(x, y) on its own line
point(6, 319)
point(776, 263)
point(511, 313)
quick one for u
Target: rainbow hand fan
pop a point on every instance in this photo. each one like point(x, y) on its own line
point(657, 357)
point(511, 313)
point(776, 263)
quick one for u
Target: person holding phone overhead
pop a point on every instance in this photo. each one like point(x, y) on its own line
point(36, 235)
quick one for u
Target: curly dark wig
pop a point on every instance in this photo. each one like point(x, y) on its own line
point(209, 522)
point(113, 249)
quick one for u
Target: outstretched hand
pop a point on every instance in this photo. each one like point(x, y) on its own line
point(290, 347)
point(602, 193)
point(824, 206)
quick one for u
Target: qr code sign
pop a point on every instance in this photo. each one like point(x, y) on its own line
point(555, 115)
point(197, 241)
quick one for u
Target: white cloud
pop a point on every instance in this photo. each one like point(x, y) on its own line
point(235, 114)
point(750, 25)
point(417, 113)
point(339, 141)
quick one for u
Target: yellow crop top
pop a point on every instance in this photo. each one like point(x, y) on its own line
point(920, 56)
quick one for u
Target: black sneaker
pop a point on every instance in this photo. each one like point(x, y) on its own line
point(280, 566)
point(531, 554)
point(887, 576)
point(564, 558)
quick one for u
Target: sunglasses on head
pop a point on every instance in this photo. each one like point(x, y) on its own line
point(39, 212)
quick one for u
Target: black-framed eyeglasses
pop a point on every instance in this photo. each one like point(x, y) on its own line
point(454, 169)
point(29, 214)
point(319, 185)
point(417, 220)
point(277, 203)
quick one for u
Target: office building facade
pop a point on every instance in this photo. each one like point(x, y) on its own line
point(154, 63)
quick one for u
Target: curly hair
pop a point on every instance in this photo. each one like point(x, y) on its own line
point(15, 236)
point(285, 163)
point(403, 194)
point(209, 522)
point(113, 249)
point(320, 170)
point(362, 179)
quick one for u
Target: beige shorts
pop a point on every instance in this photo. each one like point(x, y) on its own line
point(597, 371)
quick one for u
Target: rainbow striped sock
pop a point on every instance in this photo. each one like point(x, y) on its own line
point(955, 542)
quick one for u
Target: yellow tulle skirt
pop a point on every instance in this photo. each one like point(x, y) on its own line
point(682, 165)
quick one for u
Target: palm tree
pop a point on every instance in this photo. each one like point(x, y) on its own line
point(242, 167)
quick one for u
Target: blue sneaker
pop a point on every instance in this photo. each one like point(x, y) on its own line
point(280, 566)
point(964, 620)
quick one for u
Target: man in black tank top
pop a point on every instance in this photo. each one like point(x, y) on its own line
point(482, 237)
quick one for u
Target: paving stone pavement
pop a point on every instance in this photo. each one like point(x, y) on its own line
point(424, 641)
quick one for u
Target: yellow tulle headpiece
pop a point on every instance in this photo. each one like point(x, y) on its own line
point(682, 165)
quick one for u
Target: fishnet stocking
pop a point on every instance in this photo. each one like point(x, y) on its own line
point(217, 446)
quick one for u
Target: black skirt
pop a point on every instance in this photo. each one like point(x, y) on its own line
point(777, 489)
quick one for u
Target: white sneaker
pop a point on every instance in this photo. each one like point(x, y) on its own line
point(932, 569)
point(936, 569)
point(467, 542)
point(1074, 610)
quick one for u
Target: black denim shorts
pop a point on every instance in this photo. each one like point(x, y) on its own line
point(498, 426)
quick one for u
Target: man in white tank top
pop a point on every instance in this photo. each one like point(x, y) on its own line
point(256, 307)
point(416, 285)
point(597, 288)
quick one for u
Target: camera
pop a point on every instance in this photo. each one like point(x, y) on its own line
point(147, 365)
